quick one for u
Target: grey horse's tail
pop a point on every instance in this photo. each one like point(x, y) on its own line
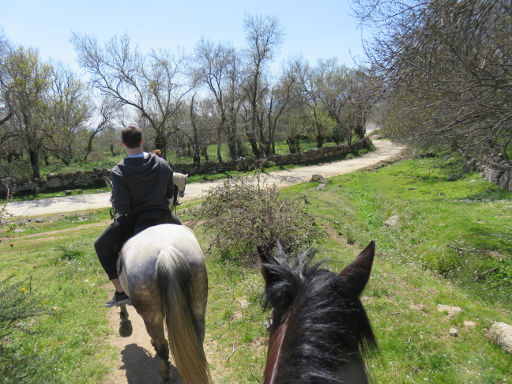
point(173, 278)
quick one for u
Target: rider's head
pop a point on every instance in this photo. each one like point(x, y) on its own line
point(131, 136)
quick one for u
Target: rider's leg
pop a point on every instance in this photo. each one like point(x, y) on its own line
point(109, 244)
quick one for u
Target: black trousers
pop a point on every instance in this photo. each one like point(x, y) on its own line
point(112, 239)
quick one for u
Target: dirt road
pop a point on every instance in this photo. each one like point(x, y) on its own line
point(385, 150)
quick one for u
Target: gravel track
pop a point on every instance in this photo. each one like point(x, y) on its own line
point(385, 150)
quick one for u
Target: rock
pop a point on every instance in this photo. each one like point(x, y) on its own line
point(243, 302)
point(504, 181)
point(19, 230)
point(501, 333)
point(318, 179)
point(39, 220)
point(454, 332)
point(418, 307)
point(393, 220)
point(58, 195)
point(450, 310)
point(321, 187)
point(68, 192)
point(469, 324)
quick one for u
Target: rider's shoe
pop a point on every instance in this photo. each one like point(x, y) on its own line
point(118, 299)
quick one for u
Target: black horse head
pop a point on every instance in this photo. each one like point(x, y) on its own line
point(320, 332)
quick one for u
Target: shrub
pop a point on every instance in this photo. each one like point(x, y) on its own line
point(18, 306)
point(244, 213)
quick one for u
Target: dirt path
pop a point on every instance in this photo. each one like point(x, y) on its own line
point(138, 363)
point(385, 150)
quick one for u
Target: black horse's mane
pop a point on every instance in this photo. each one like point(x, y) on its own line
point(327, 324)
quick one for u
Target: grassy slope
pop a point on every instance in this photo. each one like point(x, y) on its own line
point(412, 258)
point(401, 298)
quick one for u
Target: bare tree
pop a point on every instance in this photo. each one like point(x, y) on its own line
point(446, 69)
point(24, 82)
point(276, 102)
point(68, 110)
point(219, 69)
point(153, 85)
point(264, 36)
point(331, 86)
point(107, 111)
point(5, 110)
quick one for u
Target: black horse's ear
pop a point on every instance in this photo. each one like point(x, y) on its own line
point(264, 259)
point(262, 255)
point(357, 273)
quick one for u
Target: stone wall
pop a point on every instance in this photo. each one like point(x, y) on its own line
point(495, 170)
point(96, 177)
point(55, 182)
point(249, 163)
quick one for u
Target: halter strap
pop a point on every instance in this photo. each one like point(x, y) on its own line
point(274, 351)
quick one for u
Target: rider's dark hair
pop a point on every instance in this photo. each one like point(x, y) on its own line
point(131, 136)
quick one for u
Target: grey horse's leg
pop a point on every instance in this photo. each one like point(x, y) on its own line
point(125, 327)
point(155, 330)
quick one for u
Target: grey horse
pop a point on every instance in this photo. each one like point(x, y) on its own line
point(163, 271)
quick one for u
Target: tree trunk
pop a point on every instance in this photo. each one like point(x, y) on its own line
point(34, 163)
point(231, 139)
point(293, 144)
point(205, 153)
point(219, 143)
point(319, 141)
point(195, 134)
point(197, 156)
point(89, 144)
point(254, 146)
point(239, 147)
point(232, 149)
point(161, 144)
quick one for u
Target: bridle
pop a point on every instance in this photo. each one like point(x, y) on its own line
point(274, 350)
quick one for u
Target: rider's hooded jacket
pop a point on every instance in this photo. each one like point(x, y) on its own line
point(140, 184)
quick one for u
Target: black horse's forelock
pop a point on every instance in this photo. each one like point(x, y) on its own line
point(327, 324)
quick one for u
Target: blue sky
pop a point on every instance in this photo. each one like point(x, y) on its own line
point(314, 29)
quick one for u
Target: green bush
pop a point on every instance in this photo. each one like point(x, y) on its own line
point(18, 307)
point(244, 213)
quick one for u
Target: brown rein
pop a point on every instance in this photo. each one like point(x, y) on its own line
point(274, 351)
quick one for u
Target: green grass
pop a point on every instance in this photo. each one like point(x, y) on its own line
point(437, 217)
point(67, 342)
point(414, 271)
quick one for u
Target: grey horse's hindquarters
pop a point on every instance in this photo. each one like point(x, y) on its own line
point(165, 275)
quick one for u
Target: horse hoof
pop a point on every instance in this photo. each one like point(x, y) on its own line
point(125, 328)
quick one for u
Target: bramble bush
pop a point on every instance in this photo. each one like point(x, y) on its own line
point(18, 307)
point(244, 213)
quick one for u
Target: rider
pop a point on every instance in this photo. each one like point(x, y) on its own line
point(141, 188)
